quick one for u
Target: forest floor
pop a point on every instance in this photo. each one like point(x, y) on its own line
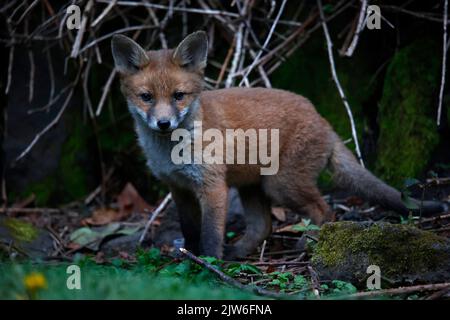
point(38, 245)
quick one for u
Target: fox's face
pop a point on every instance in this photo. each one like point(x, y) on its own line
point(161, 87)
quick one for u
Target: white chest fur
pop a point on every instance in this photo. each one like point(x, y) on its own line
point(157, 149)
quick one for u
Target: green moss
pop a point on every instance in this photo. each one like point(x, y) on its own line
point(20, 230)
point(396, 249)
point(408, 132)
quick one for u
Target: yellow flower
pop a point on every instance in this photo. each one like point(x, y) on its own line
point(35, 281)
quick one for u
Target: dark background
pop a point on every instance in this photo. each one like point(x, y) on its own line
point(392, 83)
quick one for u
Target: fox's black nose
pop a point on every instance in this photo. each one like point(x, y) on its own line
point(163, 124)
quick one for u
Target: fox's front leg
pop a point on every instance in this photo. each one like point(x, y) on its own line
point(213, 199)
point(190, 217)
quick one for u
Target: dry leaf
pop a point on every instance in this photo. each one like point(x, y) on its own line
point(103, 216)
point(271, 269)
point(279, 213)
point(130, 201)
point(72, 246)
point(288, 228)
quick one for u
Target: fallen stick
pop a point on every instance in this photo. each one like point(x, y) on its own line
point(315, 284)
point(401, 290)
point(228, 279)
point(29, 210)
point(284, 263)
point(444, 216)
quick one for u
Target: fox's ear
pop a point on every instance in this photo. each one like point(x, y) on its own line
point(128, 56)
point(192, 52)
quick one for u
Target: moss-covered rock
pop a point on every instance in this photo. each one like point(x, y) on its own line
point(18, 236)
point(20, 230)
point(403, 252)
point(408, 132)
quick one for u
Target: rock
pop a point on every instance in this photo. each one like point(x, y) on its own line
point(127, 243)
point(18, 236)
point(403, 253)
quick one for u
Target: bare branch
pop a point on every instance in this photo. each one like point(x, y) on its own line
point(237, 54)
point(444, 62)
point(338, 84)
point(269, 36)
point(32, 73)
point(10, 67)
point(181, 9)
point(48, 127)
point(154, 215)
point(227, 279)
point(80, 33)
point(105, 92)
point(359, 29)
point(104, 13)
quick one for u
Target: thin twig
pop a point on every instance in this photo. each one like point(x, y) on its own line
point(105, 92)
point(181, 9)
point(10, 67)
point(29, 210)
point(228, 279)
point(32, 74)
point(401, 290)
point(237, 54)
point(80, 33)
point(444, 62)
point(266, 42)
point(51, 124)
point(225, 64)
point(283, 263)
point(261, 256)
point(338, 84)
point(104, 13)
point(359, 28)
point(314, 282)
point(154, 215)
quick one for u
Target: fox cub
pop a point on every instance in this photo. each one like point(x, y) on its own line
point(164, 92)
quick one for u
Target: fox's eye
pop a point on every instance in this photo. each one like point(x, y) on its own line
point(147, 97)
point(178, 95)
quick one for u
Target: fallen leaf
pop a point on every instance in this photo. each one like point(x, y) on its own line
point(103, 216)
point(288, 228)
point(279, 213)
point(92, 238)
point(271, 269)
point(130, 201)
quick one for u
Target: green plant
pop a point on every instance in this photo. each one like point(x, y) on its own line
point(305, 225)
point(236, 268)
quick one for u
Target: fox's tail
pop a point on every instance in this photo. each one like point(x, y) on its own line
point(348, 173)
